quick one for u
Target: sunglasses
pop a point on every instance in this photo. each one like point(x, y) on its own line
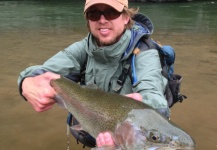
point(109, 14)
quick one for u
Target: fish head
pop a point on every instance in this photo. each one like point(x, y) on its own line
point(147, 129)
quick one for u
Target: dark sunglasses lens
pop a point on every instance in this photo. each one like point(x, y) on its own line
point(93, 15)
point(109, 14)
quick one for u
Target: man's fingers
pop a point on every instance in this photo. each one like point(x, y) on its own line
point(41, 109)
point(108, 138)
point(135, 96)
point(104, 139)
point(42, 106)
point(100, 140)
point(38, 91)
point(51, 76)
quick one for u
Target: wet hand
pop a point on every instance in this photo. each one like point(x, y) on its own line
point(104, 139)
point(38, 92)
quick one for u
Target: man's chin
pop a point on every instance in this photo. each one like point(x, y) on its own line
point(106, 42)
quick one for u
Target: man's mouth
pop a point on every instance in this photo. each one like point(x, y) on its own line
point(104, 31)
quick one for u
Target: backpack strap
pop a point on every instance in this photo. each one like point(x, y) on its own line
point(142, 45)
point(83, 72)
point(124, 74)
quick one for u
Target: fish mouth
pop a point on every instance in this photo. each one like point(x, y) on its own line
point(172, 145)
point(153, 148)
point(168, 147)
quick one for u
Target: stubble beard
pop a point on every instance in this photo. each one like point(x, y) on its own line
point(106, 43)
point(109, 42)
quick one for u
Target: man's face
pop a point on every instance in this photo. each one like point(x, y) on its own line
point(106, 30)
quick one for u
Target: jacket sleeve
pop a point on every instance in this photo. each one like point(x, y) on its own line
point(65, 63)
point(150, 82)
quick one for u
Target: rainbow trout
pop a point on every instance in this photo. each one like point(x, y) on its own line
point(133, 124)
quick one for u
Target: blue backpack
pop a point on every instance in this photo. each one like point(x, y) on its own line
point(167, 57)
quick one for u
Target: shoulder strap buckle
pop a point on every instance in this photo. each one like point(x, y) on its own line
point(123, 76)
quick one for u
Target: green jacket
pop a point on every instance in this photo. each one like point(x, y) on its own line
point(105, 64)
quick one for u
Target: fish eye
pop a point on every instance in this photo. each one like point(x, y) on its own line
point(154, 136)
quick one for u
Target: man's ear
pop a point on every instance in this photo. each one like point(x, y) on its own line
point(126, 19)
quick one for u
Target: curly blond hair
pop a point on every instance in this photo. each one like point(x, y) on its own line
point(130, 12)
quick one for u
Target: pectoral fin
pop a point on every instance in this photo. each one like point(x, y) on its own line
point(76, 127)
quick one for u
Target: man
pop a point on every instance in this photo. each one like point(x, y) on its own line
point(112, 39)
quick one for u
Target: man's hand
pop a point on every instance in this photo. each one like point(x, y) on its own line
point(105, 138)
point(38, 92)
point(135, 96)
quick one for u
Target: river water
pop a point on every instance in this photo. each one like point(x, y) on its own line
point(32, 31)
